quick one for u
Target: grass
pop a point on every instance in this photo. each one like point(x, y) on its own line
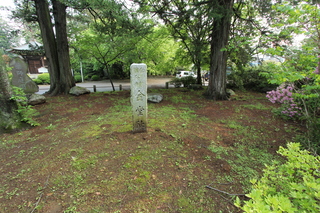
point(87, 160)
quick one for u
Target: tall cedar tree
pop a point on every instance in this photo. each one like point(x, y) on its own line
point(56, 47)
point(219, 38)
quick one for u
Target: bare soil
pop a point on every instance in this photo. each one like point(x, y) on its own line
point(79, 160)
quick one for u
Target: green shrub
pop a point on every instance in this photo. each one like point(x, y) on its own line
point(44, 78)
point(251, 79)
point(188, 80)
point(37, 81)
point(95, 78)
point(77, 78)
point(176, 82)
point(293, 186)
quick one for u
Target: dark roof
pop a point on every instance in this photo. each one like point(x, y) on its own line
point(32, 48)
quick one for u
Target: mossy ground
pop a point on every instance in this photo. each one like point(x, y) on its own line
point(84, 157)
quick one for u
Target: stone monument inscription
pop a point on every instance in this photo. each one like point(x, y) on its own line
point(20, 77)
point(138, 81)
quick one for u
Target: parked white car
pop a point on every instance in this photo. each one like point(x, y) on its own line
point(181, 74)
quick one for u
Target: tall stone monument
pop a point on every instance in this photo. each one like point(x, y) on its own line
point(20, 77)
point(138, 81)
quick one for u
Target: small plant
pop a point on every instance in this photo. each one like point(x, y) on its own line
point(287, 187)
point(26, 111)
point(50, 127)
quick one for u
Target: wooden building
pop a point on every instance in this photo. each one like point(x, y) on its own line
point(33, 54)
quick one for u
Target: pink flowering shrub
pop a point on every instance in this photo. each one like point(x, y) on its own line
point(283, 95)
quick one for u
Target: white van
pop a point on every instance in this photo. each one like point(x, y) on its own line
point(181, 74)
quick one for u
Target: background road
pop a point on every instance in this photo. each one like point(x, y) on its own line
point(105, 85)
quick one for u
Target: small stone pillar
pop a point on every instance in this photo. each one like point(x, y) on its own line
point(138, 82)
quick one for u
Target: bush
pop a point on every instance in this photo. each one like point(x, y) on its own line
point(37, 81)
point(77, 78)
point(176, 82)
point(95, 78)
point(300, 100)
point(293, 186)
point(284, 96)
point(44, 78)
point(250, 78)
point(188, 80)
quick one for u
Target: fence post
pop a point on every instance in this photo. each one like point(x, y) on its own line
point(120, 87)
point(94, 88)
point(167, 85)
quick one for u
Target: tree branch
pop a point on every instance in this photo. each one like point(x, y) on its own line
point(209, 187)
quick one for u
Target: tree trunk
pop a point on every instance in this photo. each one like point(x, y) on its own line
point(66, 80)
point(9, 117)
point(218, 56)
point(110, 77)
point(49, 43)
point(56, 48)
point(198, 71)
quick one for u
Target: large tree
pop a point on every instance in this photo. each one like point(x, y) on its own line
point(188, 22)
point(55, 45)
point(219, 37)
point(199, 24)
point(55, 42)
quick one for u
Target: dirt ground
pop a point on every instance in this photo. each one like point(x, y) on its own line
point(61, 166)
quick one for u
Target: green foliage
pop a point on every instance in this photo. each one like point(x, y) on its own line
point(191, 24)
point(43, 79)
point(77, 78)
point(176, 82)
point(287, 187)
point(309, 98)
point(186, 81)
point(158, 50)
point(112, 33)
point(8, 36)
point(95, 78)
point(250, 78)
point(37, 81)
point(301, 64)
point(26, 111)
